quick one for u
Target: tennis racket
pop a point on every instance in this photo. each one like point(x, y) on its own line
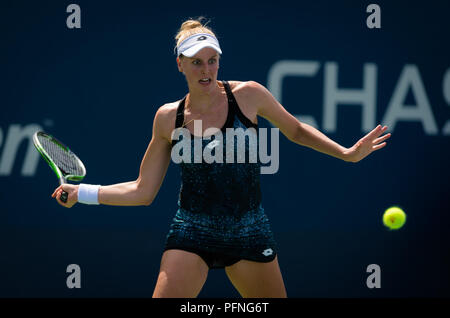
point(64, 163)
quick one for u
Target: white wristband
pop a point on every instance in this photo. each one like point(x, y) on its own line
point(88, 193)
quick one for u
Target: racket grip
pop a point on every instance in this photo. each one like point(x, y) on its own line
point(63, 197)
point(64, 194)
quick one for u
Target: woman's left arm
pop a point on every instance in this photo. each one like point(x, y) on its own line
point(306, 135)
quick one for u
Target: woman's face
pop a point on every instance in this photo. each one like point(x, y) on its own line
point(201, 69)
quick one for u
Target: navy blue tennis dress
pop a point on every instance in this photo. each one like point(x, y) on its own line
point(220, 217)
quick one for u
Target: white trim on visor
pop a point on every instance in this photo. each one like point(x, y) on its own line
point(191, 45)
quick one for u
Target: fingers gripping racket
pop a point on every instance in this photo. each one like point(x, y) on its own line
point(64, 163)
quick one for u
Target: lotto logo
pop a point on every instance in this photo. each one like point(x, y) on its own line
point(267, 252)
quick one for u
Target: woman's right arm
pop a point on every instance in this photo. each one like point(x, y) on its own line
point(153, 168)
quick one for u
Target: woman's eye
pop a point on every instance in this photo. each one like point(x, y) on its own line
point(198, 62)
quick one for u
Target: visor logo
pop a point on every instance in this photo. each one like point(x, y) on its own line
point(267, 252)
point(202, 38)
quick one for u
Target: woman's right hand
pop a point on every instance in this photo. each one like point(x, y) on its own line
point(72, 194)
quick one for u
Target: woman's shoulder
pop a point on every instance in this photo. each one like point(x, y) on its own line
point(249, 95)
point(165, 116)
point(247, 90)
point(168, 109)
point(246, 87)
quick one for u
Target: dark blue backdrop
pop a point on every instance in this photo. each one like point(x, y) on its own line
point(107, 79)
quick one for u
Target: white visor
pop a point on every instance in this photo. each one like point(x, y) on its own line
point(191, 45)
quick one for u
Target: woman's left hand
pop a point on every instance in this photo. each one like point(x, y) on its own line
point(368, 144)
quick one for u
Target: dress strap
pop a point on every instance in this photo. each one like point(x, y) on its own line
point(180, 113)
point(234, 107)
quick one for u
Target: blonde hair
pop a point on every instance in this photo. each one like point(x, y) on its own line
point(191, 27)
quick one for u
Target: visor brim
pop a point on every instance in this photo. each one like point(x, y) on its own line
point(196, 48)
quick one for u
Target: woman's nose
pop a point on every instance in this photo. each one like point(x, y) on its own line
point(205, 69)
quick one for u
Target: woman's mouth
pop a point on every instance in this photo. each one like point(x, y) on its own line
point(205, 81)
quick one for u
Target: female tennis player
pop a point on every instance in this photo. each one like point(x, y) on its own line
point(220, 222)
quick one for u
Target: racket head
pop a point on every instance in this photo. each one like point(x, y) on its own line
point(64, 163)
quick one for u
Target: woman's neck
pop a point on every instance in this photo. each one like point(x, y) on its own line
point(201, 102)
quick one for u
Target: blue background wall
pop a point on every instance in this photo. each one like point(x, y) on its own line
point(108, 79)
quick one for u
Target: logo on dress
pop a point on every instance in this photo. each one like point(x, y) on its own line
point(267, 252)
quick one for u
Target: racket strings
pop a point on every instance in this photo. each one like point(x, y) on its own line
point(65, 159)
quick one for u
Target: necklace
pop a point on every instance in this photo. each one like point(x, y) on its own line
point(184, 119)
point(185, 124)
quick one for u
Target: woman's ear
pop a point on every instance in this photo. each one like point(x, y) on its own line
point(179, 65)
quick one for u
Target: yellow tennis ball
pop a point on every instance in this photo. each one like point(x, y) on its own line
point(394, 218)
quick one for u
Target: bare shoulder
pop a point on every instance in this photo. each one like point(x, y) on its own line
point(165, 117)
point(245, 86)
point(168, 110)
point(248, 90)
point(249, 96)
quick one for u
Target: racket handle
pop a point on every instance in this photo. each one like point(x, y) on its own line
point(63, 197)
point(64, 194)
